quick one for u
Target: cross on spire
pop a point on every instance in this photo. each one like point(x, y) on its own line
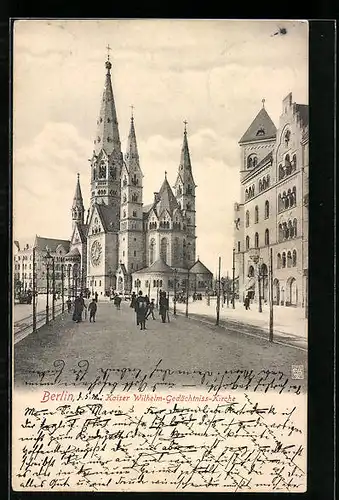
point(185, 124)
point(108, 49)
point(263, 102)
point(132, 108)
point(165, 174)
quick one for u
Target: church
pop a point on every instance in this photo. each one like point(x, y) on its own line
point(120, 243)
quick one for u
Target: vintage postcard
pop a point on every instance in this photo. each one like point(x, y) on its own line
point(160, 255)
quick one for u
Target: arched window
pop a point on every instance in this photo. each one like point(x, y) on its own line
point(288, 165)
point(281, 232)
point(286, 200)
point(255, 161)
point(246, 195)
point(163, 249)
point(261, 183)
point(251, 272)
point(256, 214)
point(247, 242)
point(286, 231)
point(267, 209)
point(278, 260)
point(247, 218)
point(295, 223)
point(294, 258)
point(294, 196)
point(268, 181)
point(152, 251)
point(267, 237)
point(256, 240)
point(290, 229)
point(294, 162)
point(289, 259)
point(249, 162)
point(283, 260)
point(281, 172)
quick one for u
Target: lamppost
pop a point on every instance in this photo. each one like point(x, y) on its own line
point(255, 257)
point(187, 291)
point(110, 275)
point(233, 279)
point(62, 288)
point(34, 292)
point(48, 260)
point(53, 288)
point(175, 292)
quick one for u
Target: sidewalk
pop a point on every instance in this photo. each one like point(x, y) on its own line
point(289, 322)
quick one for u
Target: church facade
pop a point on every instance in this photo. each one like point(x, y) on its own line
point(121, 239)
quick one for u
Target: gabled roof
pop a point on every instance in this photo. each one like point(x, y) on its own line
point(199, 268)
point(41, 243)
point(73, 253)
point(82, 230)
point(108, 216)
point(166, 199)
point(147, 208)
point(262, 128)
point(123, 268)
point(159, 266)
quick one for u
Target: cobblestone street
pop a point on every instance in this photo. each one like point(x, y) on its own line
point(114, 340)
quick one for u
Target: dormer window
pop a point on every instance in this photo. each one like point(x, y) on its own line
point(261, 131)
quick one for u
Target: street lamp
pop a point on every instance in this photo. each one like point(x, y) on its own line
point(255, 257)
point(48, 260)
point(175, 292)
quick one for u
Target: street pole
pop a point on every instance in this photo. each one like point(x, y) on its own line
point(34, 293)
point(271, 297)
point(47, 297)
point(187, 291)
point(218, 296)
point(233, 281)
point(53, 289)
point(62, 288)
point(259, 287)
point(175, 293)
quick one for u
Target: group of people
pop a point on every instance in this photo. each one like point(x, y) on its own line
point(80, 307)
point(144, 308)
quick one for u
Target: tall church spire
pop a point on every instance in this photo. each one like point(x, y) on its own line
point(132, 148)
point(185, 160)
point(78, 209)
point(107, 136)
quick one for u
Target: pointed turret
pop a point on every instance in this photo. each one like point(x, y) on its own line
point(107, 137)
point(78, 209)
point(185, 160)
point(132, 155)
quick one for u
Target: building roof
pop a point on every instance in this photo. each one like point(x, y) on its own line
point(159, 266)
point(41, 243)
point(302, 110)
point(73, 253)
point(147, 208)
point(166, 199)
point(108, 216)
point(199, 268)
point(262, 128)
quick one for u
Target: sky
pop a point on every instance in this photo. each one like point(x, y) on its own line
point(214, 74)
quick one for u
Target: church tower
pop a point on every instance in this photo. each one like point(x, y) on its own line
point(78, 210)
point(107, 159)
point(185, 195)
point(131, 236)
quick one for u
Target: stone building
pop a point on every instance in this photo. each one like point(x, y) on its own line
point(272, 211)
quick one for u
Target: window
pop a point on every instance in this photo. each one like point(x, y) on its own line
point(289, 259)
point(100, 283)
point(247, 242)
point(238, 246)
point(247, 218)
point(295, 227)
point(267, 209)
point(135, 253)
point(267, 237)
point(256, 240)
point(123, 253)
point(294, 258)
point(294, 162)
point(278, 261)
point(132, 265)
point(134, 213)
point(283, 259)
point(256, 214)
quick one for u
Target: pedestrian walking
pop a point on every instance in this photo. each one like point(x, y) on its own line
point(133, 299)
point(78, 309)
point(69, 305)
point(96, 296)
point(117, 301)
point(163, 306)
point(141, 309)
point(92, 308)
point(151, 307)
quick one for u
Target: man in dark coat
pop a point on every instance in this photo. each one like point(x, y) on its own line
point(133, 299)
point(92, 308)
point(141, 308)
point(163, 306)
point(78, 309)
